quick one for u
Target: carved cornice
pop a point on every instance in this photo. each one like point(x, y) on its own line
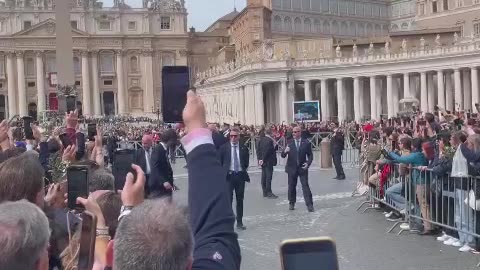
point(147, 52)
point(121, 52)
point(39, 53)
point(19, 53)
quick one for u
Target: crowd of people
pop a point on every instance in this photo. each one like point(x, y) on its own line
point(426, 167)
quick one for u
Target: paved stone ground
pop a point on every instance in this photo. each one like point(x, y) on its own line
point(362, 241)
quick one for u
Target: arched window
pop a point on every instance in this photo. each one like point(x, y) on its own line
point(378, 30)
point(404, 26)
point(335, 28)
point(277, 23)
point(353, 29)
point(308, 26)
point(318, 26)
point(361, 30)
point(134, 64)
point(326, 27)
point(369, 30)
point(298, 25)
point(344, 29)
point(288, 24)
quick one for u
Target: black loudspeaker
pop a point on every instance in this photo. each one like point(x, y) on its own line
point(122, 165)
point(176, 82)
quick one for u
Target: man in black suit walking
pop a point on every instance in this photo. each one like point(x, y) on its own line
point(337, 147)
point(300, 157)
point(218, 137)
point(144, 158)
point(267, 159)
point(161, 177)
point(235, 161)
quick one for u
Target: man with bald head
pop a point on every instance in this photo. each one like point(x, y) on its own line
point(143, 157)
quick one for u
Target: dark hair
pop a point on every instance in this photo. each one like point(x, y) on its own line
point(429, 117)
point(407, 143)
point(21, 178)
point(417, 144)
point(110, 203)
point(388, 131)
point(429, 150)
point(10, 153)
point(460, 136)
point(445, 136)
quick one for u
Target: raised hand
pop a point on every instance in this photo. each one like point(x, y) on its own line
point(194, 115)
point(133, 192)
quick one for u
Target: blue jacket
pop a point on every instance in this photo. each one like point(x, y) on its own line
point(415, 159)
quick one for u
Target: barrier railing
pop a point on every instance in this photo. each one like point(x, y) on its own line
point(427, 200)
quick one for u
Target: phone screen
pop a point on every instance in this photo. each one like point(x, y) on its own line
point(87, 241)
point(27, 129)
point(92, 131)
point(122, 165)
point(315, 254)
point(77, 181)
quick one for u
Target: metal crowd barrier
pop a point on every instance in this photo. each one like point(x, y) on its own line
point(428, 201)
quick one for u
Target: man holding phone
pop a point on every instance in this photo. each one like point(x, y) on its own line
point(300, 157)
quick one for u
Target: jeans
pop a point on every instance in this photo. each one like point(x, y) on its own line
point(464, 217)
point(394, 194)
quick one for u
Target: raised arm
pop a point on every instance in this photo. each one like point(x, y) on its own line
point(211, 215)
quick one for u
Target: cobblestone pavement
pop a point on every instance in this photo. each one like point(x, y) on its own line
point(362, 241)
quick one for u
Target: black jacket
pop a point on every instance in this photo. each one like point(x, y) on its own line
point(226, 159)
point(218, 139)
point(304, 154)
point(141, 160)
point(161, 171)
point(267, 151)
point(337, 143)
point(210, 212)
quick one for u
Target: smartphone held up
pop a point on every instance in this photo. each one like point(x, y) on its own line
point(77, 186)
point(309, 253)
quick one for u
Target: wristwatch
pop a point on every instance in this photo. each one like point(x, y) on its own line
point(125, 211)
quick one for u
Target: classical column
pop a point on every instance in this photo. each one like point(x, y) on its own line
point(390, 107)
point(406, 86)
point(324, 100)
point(423, 92)
point(458, 89)
point(149, 93)
point(431, 93)
point(259, 105)
point(97, 108)
point(87, 100)
point(22, 90)
point(241, 105)
point(41, 99)
point(475, 89)
point(357, 99)
point(12, 90)
point(361, 83)
point(308, 90)
point(121, 84)
point(441, 89)
point(340, 100)
point(395, 98)
point(467, 90)
point(449, 100)
point(379, 98)
point(284, 101)
point(373, 98)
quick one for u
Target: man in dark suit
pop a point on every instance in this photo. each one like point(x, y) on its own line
point(143, 158)
point(300, 157)
point(337, 147)
point(235, 160)
point(161, 177)
point(267, 159)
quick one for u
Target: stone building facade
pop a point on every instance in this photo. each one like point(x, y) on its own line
point(119, 53)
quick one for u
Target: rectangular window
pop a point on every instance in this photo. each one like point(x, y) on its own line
point(30, 67)
point(108, 82)
point(132, 26)
point(445, 4)
point(165, 23)
point(2, 66)
point(31, 84)
point(434, 7)
point(422, 9)
point(476, 29)
point(74, 24)
point(106, 63)
point(51, 63)
point(77, 83)
point(105, 25)
point(27, 25)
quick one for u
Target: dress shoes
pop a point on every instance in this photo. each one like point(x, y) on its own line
point(241, 227)
point(292, 207)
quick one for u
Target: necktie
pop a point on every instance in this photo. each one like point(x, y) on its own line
point(298, 151)
point(236, 162)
